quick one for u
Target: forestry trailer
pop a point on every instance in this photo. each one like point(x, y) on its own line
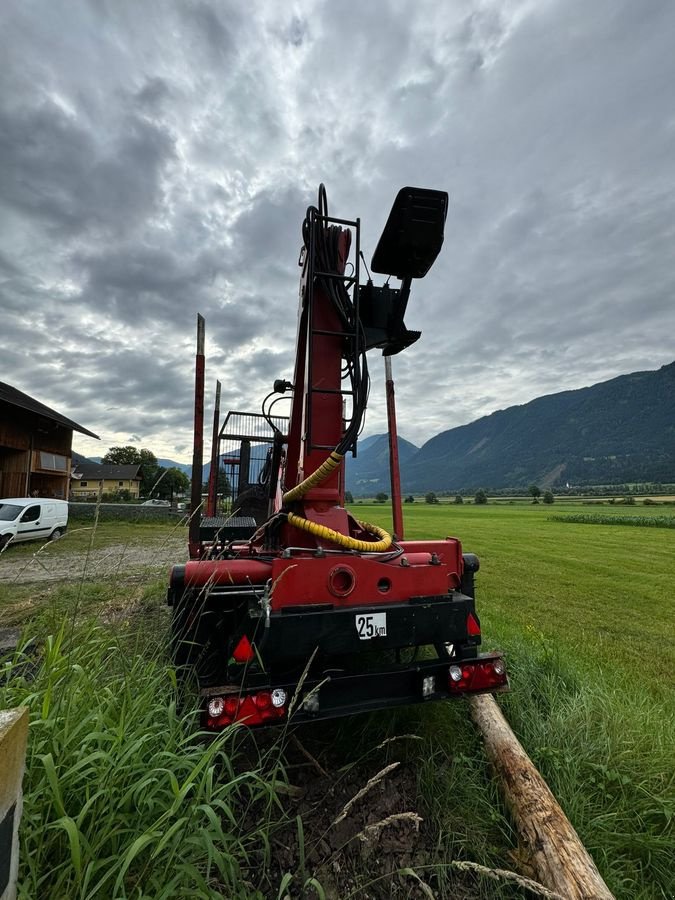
point(291, 607)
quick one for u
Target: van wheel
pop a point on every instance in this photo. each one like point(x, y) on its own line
point(56, 534)
point(4, 540)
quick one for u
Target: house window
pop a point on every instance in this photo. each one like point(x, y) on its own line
point(53, 461)
point(84, 483)
point(120, 484)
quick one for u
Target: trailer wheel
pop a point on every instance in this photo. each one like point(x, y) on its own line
point(198, 639)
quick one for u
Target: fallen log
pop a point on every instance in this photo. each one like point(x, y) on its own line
point(559, 859)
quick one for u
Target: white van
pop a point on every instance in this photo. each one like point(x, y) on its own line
point(32, 519)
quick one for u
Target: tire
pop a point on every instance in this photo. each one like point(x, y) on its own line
point(4, 540)
point(198, 639)
point(56, 534)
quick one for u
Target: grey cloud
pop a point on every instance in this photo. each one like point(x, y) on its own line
point(157, 165)
point(54, 170)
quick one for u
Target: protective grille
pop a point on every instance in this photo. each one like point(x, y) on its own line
point(245, 439)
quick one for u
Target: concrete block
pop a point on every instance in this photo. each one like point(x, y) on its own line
point(13, 740)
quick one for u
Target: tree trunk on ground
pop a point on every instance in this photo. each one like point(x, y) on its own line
point(559, 859)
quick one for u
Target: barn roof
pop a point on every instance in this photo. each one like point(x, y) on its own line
point(14, 397)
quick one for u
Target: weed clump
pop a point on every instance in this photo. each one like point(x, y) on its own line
point(122, 796)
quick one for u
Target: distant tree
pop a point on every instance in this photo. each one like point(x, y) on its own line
point(174, 481)
point(381, 497)
point(348, 497)
point(459, 499)
point(534, 491)
point(430, 497)
point(123, 456)
point(223, 486)
point(409, 499)
point(481, 497)
point(548, 497)
point(628, 501)
point(131, 456)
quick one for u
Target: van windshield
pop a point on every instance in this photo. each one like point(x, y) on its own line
point(9, 512)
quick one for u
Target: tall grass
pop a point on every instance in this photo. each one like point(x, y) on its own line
point(603, 746)
point(123, 798)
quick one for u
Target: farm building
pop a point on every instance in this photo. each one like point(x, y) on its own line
point(90, 478)
point(35, 446)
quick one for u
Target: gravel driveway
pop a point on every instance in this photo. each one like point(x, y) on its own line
point(55, 563)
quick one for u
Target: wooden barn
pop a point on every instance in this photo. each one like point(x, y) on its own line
point(35, 447)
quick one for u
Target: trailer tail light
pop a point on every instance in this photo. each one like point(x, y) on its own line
point(243, 652)
point(477, 676)
point(262, 708)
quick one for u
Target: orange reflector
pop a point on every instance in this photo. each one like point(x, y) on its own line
point(243, 652)
point(472, 625)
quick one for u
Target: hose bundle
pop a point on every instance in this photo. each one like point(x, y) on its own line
point(326, 239)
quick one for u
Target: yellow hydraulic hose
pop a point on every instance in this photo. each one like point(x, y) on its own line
point(343, 540)
point(315, 478)
point(328, 534)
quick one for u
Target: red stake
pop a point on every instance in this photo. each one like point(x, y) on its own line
point(215, 457)
point(194, 543)
point(394, 470)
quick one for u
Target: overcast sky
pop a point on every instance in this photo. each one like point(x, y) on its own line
point(156, 160)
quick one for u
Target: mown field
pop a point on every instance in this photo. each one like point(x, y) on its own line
point(123, 800)
point(603, 594)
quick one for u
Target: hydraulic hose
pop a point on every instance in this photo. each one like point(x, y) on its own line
point(315, 478)
point(328, 534)
point(343, 540)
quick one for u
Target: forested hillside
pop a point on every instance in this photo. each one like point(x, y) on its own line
point(622, 430)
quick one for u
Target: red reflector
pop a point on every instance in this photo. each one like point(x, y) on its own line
point(263, 700)
point(472, 625)
point(243, 652)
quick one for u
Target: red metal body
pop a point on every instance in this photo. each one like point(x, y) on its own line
point(194, 543)
point(429, 568)
point(394, 468)
point(215, 457)
point(316, 411)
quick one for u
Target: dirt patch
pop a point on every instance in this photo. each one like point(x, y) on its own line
point(363, 833)
point(51, 563)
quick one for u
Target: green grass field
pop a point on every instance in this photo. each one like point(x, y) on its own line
point(603, 594)
point(587, 619)
point(583, 612)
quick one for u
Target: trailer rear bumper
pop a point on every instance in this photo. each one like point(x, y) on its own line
point(339, 693)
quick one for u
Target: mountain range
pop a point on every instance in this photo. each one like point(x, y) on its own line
point(613, 432)
point(617, 431)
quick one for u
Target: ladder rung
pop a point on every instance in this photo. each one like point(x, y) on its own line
point(329, 333)
point(348, 279)
point(314, 390)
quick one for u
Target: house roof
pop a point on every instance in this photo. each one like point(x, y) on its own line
point(102, 471)
point(14, 397)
